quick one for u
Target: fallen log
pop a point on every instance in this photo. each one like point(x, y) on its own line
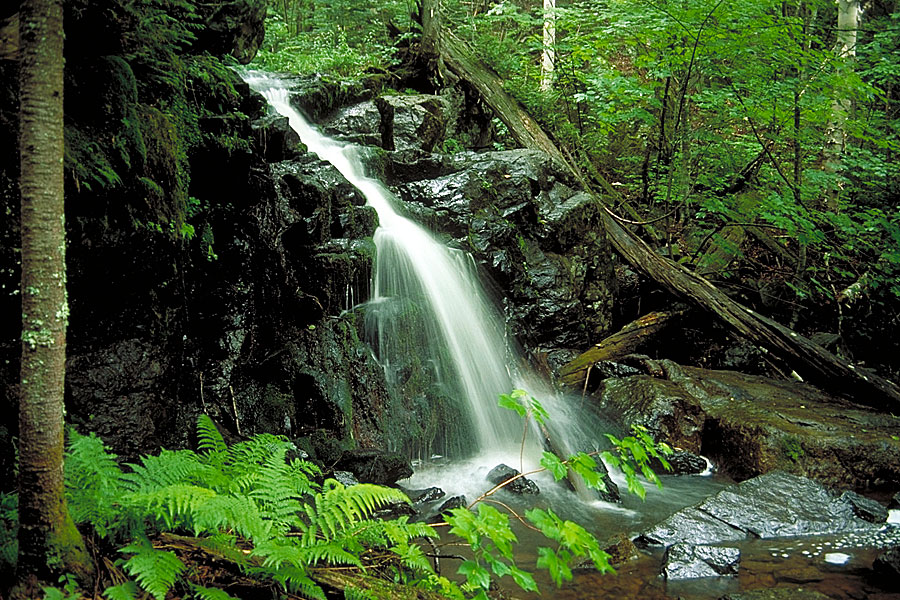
point(625, 341)
point(807, 359)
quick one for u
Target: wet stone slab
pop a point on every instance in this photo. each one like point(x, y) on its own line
point(773, 505)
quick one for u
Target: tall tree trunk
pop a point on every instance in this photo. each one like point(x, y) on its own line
point(548, 56)
point(836, 130)
point(49, 543)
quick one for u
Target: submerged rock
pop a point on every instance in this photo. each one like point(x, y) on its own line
point(522, 485)
point(782, 593)
point(689, 561)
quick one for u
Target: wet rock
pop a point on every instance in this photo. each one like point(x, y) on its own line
point(375, 466)
point(780, 593)
point(605, 369)
point(395, 510)
point(895, 501)
point(777, 504)
point(865, 508)
point(447, 506)
point(620, 549)
point(424, 496)
point(345, 478)
point(522, 485)
point(689, 561)
point(681, 462)
point(689, 524)
point(417, 121)
point(274, 138)
point(887, 565)
point(357, 124)
point(749, 425)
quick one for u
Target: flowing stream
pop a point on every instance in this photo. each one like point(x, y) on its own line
point(427, 298)
point(429, 307)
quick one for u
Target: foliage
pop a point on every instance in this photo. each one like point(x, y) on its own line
point(249, 492)
point(341, 37)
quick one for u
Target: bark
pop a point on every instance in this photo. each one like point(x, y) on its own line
point(836, 130)
point(625, 341)
point(49, 544)
point(548, 56)
point(806, 358)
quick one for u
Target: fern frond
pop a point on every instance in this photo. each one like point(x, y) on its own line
point(204, 593)
point(295, 580)
point(174, 505)
point(167, 468)
point(237, 513)
point(210, 441)
point(155, 570)
point(355, 593)
point(93, 482)
point(123, 591)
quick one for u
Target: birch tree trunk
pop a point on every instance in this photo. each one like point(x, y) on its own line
point(836, 130)
point(548, 56)
point(49, 543)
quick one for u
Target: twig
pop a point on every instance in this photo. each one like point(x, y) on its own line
point(237, 420)
point(513, 513)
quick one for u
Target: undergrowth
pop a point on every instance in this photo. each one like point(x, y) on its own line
point(271, 518)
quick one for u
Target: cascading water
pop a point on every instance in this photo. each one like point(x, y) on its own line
point(426, 291)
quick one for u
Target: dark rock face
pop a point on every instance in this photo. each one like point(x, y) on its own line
point(375, 466)
point(887, 565)
point(777, 504)
point(235, 27)
point(749, 425)
point(522, 485)
point(688, 561)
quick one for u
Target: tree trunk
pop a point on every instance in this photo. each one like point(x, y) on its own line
point(836, 129)
point(808, 359)
point(548, 55)
point(49, 543)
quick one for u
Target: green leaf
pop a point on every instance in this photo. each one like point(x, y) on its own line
point(552, 463)
point(476, 575)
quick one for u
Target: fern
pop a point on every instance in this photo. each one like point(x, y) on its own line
point(205, 593)
point(123, 591)
point(211, 442)
point(355, 593)
point(93, 483)
point(155, 570)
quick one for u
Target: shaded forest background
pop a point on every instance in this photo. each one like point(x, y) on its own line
point(756, 141)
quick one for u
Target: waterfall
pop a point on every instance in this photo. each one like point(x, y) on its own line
point(427, 298)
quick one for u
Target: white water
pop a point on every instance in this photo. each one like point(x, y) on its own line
point(458, 321)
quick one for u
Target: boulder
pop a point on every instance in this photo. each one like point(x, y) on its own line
point(522, 485)
point(447, 506)
point(681, 462)
point(424, 496)
point(750, 425)
point(777, 504)
point(359, 123)
point(689, 561)
point(375, 466)
point(417, 121)
point(865, 508)
point(275, 139)
point(887, 565)
point(345, 478)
